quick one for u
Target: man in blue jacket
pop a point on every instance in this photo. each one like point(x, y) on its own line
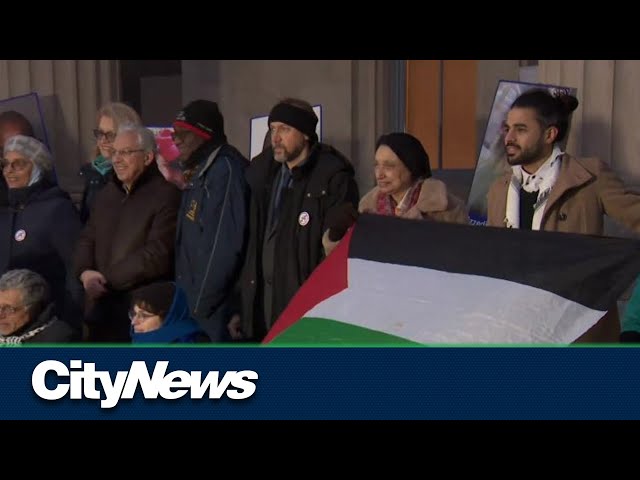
point(212, 222)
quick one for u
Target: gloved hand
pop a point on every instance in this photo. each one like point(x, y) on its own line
point(339, 219)
point(235, 327)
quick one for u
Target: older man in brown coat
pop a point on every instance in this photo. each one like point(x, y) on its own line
point(130, 238)
point(547, 189)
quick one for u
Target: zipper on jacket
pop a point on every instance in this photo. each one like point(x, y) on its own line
point(217, 235)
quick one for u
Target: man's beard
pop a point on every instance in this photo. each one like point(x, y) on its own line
point(285, 156)
point(526, 156)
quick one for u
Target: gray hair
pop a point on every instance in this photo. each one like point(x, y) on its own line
point(120, 113)
point(146, 138)
point(35, 289)
point(32, 148)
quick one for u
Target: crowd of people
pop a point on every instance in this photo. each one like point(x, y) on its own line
point(215, 251)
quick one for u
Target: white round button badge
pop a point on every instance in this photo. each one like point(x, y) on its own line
point(303, 219)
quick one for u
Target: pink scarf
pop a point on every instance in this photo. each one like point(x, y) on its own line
point(386, 205)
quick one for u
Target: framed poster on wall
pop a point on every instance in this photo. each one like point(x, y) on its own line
point(28, 106)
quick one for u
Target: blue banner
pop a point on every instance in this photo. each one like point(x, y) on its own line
point(319, 383)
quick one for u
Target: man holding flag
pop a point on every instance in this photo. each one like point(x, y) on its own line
point(392, 280)
point(549, 190)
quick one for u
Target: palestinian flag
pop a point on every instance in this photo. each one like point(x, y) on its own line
point(395, 281)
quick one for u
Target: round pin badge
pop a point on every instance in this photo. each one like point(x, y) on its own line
point(303, 219)
point(20, 235)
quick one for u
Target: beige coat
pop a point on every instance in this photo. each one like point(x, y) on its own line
point(585, 191)
point(434, 203)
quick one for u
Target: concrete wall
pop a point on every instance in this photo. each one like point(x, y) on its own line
point(349, 91)
point(160, 99)
point(70, 92)
point(490, 72)
point(355, 95)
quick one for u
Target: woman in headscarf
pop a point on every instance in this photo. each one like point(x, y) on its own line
point(40, 226)
point(160, 314)
point(404, 188)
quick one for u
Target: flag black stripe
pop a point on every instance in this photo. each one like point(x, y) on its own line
point(591, 270)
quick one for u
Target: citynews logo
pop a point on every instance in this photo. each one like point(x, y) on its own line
point(83, 379)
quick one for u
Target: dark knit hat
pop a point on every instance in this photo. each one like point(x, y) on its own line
point(156, 298)
point(295, 117)
point(203, 118)
point(410, 151)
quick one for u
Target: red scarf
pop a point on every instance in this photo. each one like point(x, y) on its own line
point(386, 205)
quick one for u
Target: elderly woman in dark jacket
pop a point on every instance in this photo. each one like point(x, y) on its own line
point(40, 226)
point(27, 314)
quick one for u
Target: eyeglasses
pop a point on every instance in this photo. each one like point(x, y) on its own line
point(6, 310)
point(141, 313)
point(108, 136)
point(127, 153)
point(18, 165)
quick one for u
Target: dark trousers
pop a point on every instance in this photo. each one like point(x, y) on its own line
point(108, 321)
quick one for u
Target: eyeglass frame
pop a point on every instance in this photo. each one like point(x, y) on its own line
point(10, 308)
point(127, 153)
point(4, 163)
point(108, 136)
point(142, 314)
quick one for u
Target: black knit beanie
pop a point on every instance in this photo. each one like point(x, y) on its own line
point(202, 117)
point(295, 117)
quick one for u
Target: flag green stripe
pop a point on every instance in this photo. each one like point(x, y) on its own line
point(311, 331)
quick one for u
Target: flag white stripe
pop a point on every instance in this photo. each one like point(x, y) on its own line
point(430, 306)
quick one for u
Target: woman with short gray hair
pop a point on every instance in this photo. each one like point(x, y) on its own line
point(40, 225)
point(27, 314)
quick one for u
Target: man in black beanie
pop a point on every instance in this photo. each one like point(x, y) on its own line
point(295, 186)
point(212, 222)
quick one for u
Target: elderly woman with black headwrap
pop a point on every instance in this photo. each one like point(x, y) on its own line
point(404, 188)
point(40, 226)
